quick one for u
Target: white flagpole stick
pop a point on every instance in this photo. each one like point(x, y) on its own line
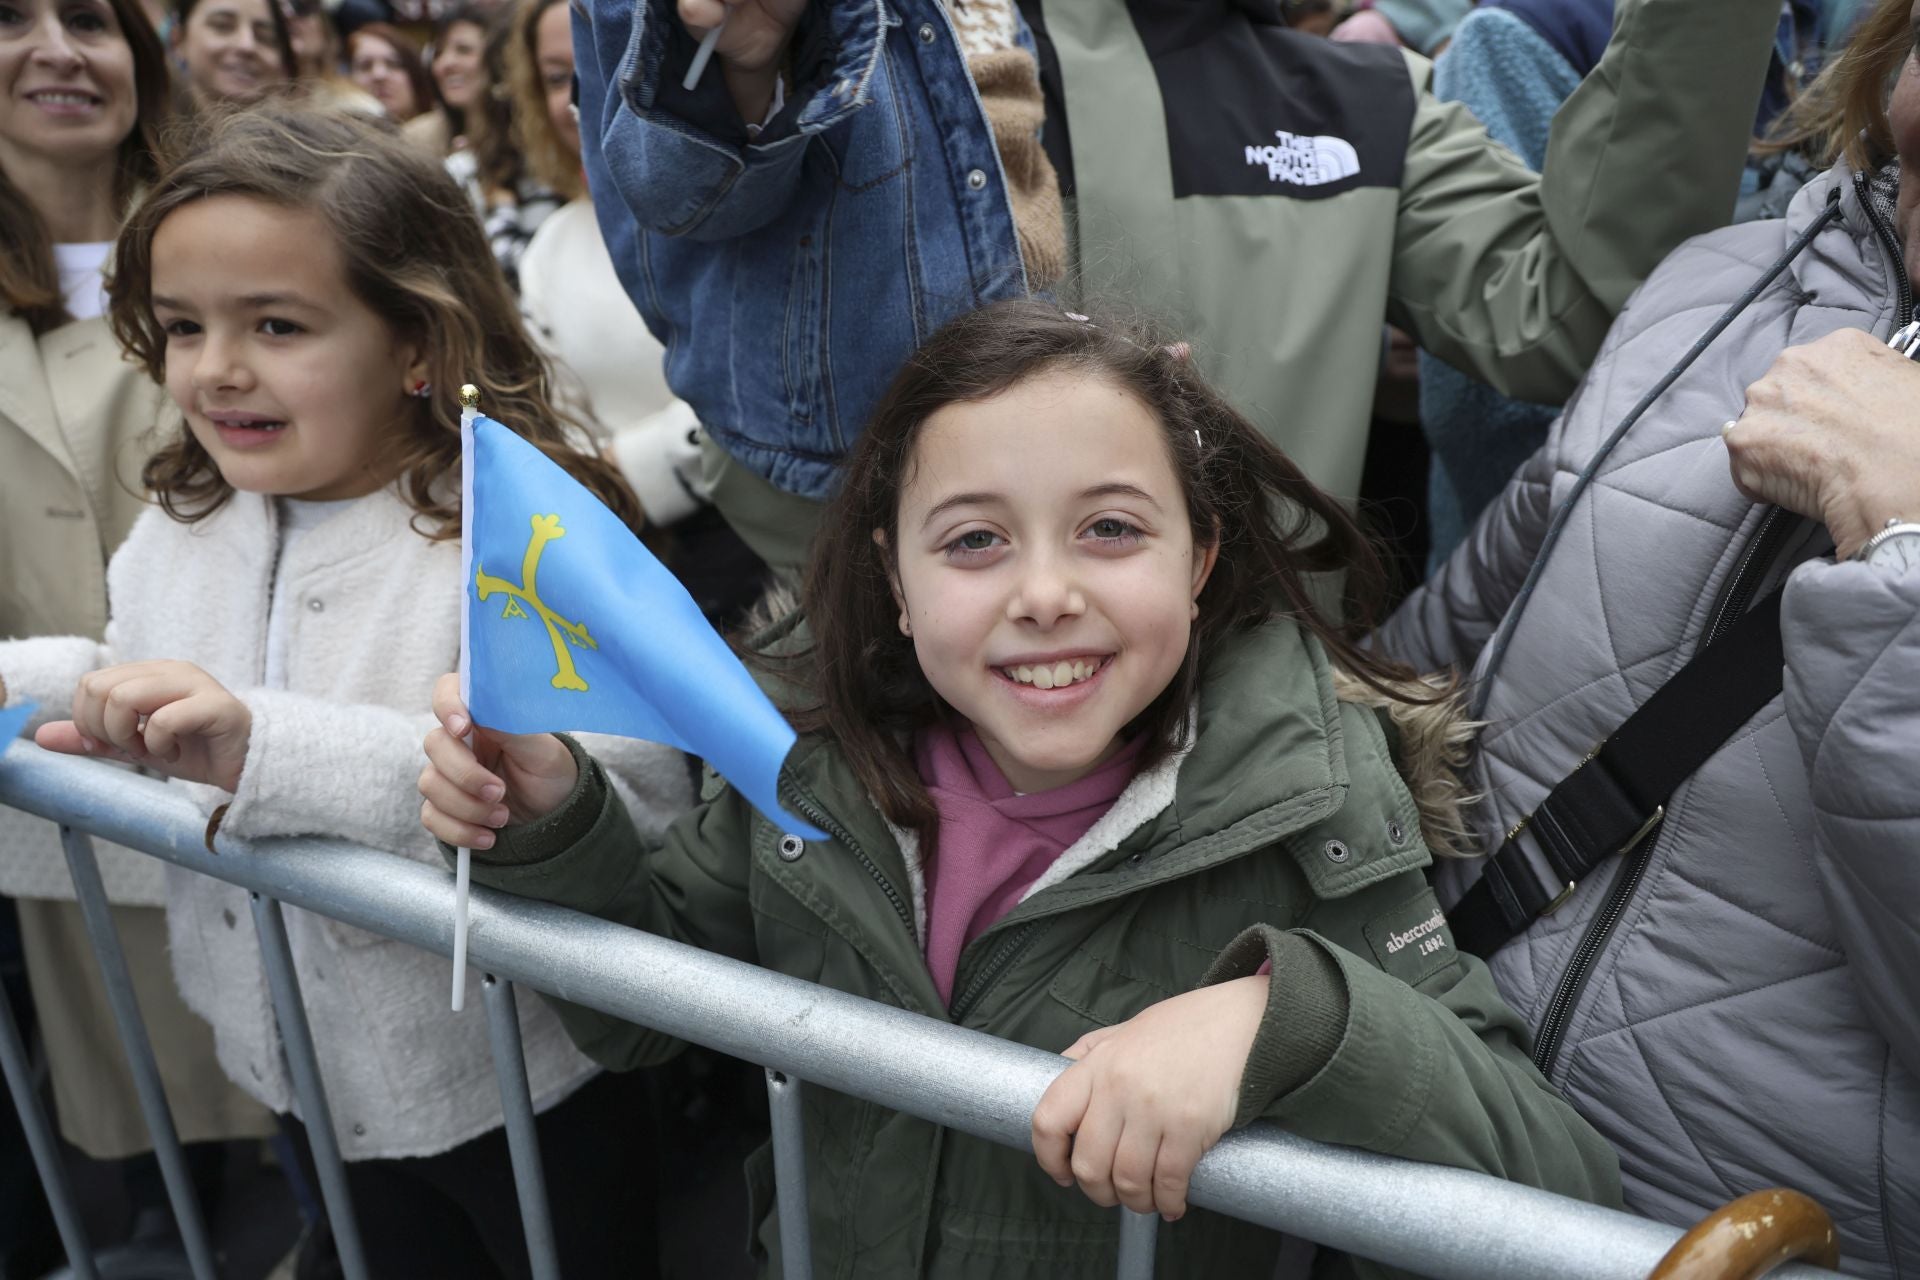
point(704, 54)
point(463, 863)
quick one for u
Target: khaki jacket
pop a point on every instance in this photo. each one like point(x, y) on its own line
point(77, 423)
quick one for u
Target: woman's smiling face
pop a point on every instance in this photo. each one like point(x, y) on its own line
point(68, 77)
point(231, 50)
point(459, 65)
point(1047, 569)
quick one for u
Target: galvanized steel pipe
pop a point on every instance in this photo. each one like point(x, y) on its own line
point(1439, 1222)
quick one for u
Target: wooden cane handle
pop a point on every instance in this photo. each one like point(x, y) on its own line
point(1750, 1237)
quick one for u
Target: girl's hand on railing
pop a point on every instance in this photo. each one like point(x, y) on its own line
point(1145, 1099)
point(470, 791)
point(170, 717)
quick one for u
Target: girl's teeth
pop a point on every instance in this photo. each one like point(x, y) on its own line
point(1057, 676)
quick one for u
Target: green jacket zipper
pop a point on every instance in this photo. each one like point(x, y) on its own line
point(1005, 953)
point(820, 818)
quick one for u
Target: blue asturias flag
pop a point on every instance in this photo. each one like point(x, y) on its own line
point(571, 624)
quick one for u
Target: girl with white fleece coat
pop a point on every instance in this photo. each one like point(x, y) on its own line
point(276, 626)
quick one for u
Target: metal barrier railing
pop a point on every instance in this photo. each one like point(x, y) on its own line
point(1446, 1223)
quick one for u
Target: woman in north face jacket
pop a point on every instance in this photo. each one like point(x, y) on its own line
point(1733, 1002)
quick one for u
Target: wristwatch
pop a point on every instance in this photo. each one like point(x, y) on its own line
point(1896, 546)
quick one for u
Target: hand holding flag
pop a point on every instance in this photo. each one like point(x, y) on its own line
point(569, 623)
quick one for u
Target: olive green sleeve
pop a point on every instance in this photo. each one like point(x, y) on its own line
point(586, 856)
point(1305, 1018)
point(1516, 278)
point(1440, 1072)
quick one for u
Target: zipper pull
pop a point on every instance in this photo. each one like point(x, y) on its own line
point(1907, 340)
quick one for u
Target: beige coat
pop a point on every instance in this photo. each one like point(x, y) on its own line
point(76, 424)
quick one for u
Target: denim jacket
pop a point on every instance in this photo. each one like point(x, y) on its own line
point(791, 274)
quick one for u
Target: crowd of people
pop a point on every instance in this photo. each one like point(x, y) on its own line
point(1491, 757)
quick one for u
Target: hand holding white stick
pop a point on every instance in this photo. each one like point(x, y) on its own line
point(704, 54)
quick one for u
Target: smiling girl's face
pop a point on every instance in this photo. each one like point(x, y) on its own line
point(292, 384)
point(1047, 569)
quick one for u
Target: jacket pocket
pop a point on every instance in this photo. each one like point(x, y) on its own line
point(1103, 991)
point(802, 338)
point(877, 148)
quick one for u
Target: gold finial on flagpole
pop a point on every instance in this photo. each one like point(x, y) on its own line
point(469, 396)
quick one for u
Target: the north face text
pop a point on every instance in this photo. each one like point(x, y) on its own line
point(1306, 161)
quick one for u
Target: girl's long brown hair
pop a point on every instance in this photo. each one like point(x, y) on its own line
point(1275, 528)
point(414, 253)
point(29, 279)
point(1844, 111)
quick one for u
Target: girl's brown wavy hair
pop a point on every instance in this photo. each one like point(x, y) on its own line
point(1276, 530)
point(414, 253)
point(29, 278)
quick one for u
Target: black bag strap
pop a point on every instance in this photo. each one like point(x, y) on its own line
point(1618, 794)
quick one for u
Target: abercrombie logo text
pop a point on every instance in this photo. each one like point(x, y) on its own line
point(1306, 161)
point(1426, 933)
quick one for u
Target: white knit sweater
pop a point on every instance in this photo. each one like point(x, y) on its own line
point(335, 753)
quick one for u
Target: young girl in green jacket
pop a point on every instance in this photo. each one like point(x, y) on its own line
point(1101, 777)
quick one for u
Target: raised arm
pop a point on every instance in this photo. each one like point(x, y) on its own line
point(1515, 278)
point(664, 158)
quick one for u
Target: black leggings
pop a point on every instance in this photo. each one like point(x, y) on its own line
point(456, 1215)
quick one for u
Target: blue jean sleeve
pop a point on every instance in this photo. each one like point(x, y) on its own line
point(680, 160)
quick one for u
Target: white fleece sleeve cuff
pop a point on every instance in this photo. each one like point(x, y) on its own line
point(47, 670)
point(660, 457)
point(315, 767)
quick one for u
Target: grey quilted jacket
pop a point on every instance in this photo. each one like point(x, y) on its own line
point(1752, 1015)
